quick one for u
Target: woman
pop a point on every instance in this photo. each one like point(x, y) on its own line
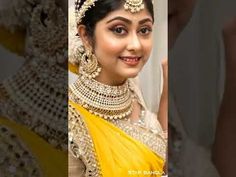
point(33, 104)
point(110, 131)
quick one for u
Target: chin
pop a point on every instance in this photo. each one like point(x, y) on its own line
point(131, 74)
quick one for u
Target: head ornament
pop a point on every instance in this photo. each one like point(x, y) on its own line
point(80, 10)
point(132, 5)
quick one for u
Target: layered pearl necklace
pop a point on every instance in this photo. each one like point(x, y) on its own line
point(108, 102)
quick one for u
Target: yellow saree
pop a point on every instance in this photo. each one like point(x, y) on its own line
point(114, 152)
point(51, 162)
point(12, 41)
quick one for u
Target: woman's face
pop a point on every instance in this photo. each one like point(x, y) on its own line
point(123, 44)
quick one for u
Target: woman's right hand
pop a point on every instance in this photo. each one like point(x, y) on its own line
point(163, 107)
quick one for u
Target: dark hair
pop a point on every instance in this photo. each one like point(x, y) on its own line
point(101, 9)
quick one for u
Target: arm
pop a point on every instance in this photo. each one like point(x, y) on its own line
point(162, 115)
point(163, 107)
point(224, 149)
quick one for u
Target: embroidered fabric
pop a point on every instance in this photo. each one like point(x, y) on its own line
point(81, 145)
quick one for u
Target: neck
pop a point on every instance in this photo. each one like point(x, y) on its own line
point(112, 80)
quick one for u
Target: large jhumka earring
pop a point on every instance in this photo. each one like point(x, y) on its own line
point(134, 5)
point(108, 102)
point(89, 66)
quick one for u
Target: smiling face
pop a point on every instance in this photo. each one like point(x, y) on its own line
point(123, 43)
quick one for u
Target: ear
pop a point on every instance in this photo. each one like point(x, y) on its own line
point(81, 29)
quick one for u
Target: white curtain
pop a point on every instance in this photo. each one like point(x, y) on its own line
point(151, 76)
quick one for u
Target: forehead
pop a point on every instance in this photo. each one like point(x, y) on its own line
point(135, 17)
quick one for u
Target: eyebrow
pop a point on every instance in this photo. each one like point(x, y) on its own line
point(145, 20)
point(128, 21)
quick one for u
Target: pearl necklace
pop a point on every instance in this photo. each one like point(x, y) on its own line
point(108, 102)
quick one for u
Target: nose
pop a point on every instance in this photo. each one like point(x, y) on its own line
point(134, 43)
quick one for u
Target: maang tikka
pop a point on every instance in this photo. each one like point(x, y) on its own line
point(134, 5)
point(89, 66)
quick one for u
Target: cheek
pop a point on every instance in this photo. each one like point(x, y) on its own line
point(147, 48)
point(108, 46)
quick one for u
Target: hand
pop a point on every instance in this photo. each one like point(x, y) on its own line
point(164, 65)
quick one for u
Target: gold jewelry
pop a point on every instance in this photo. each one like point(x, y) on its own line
point(134, 5)
point(46, 34)
point(35, 84)
point(88, 63)
point(80, 10)
point(109, 102)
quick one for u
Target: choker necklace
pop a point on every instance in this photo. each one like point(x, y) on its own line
point(108, 102)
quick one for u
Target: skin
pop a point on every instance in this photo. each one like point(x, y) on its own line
point(120, 34)
point(163, 107)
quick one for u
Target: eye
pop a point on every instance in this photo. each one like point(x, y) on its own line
point(119, 30)
point(145, 30)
